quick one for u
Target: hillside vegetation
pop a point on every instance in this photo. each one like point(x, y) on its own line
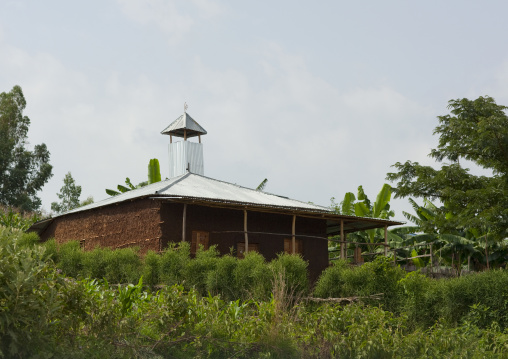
point(63, 302)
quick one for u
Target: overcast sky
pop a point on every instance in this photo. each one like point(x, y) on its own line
point(319, 97)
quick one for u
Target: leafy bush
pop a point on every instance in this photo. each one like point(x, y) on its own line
point(221, 279)
point(173, 262)
point(51, 250)
point(123, 265)
point(95, 263)
point(376, 277)
point(293, 270)
point(11, 218)
point(252, 277)
point(61, 317)
point(196, 271)
point(29, 300)
point(28, 239)
point(151, 269)
point(70, 259)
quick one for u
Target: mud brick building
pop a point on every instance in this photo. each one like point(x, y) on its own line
point(204, 211)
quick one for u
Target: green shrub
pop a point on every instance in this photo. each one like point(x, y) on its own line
point(151, 269)
point(459, 295)
point(123, 266)
point(29, 239)
point(253, 277)
point(29, 301)
point(376, 277)
point(221, 279)
point(173, 262)
point(196, 270)
point(293, 269)
point(70, 259)
point(95, 263)
point(331, 282)
point(50, 250)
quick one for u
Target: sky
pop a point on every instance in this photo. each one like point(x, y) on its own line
point(318, 97)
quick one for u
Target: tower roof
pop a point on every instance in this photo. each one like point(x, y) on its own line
point(183, 124)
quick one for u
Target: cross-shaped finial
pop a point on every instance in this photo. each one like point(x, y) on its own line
point(185, 107)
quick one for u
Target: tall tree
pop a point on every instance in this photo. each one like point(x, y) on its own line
point(476, 130)
point(22, 172)
point(69, 195)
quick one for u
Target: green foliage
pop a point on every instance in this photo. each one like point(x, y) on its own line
point(70, 259)
point(29, 299)
point(66, 318)
point(196, 271)
point(22, 172)
point(152, 269)
point(293, 270)
point(364, 208)
point(154, 175)
point(253, 278)
point(95, 263)
point(11, 218)
point(154, 171)
point(69, 195)
point(262, 185)
point(173, 261)
point(221, 279)
point(123, 266)
point(476, 130)
point(379, 276)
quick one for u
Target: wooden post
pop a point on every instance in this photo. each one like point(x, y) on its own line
point(293, 239)
point(486, 251)
point(342, 244)
point(185, 135)
point(184, 220)
point(199, 136)
point(170, 138)
point(245, 231)
point(431, 257)
point(386, 241)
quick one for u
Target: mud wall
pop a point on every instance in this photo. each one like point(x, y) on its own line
point(129, 224)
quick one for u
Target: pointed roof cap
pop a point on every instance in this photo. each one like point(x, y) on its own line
point(184, 122)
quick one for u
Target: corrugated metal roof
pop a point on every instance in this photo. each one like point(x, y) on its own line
point(197, 189)
point(195, 186)
point(184, 122)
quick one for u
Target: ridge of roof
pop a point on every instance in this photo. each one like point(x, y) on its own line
point(158, 189)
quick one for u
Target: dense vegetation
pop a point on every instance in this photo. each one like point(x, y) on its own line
point(56, 299)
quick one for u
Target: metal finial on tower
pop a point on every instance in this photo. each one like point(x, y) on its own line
point(185, 107)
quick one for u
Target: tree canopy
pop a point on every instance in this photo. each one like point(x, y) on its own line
point(476, 130)
point(69, 195)
point(22, 172)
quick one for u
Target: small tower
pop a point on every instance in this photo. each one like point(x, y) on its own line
point(185, 156)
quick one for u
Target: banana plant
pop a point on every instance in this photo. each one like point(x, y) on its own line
point(262, 185)
point(154, 175)
point(363, 207)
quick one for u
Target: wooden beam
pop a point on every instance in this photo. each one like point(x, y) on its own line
point(245, 230)
point(170, 138)
point(199, 136)
point(185, 135)
point(342, 244)
point(293, 239)
point(386, 241)
point(184, 220)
